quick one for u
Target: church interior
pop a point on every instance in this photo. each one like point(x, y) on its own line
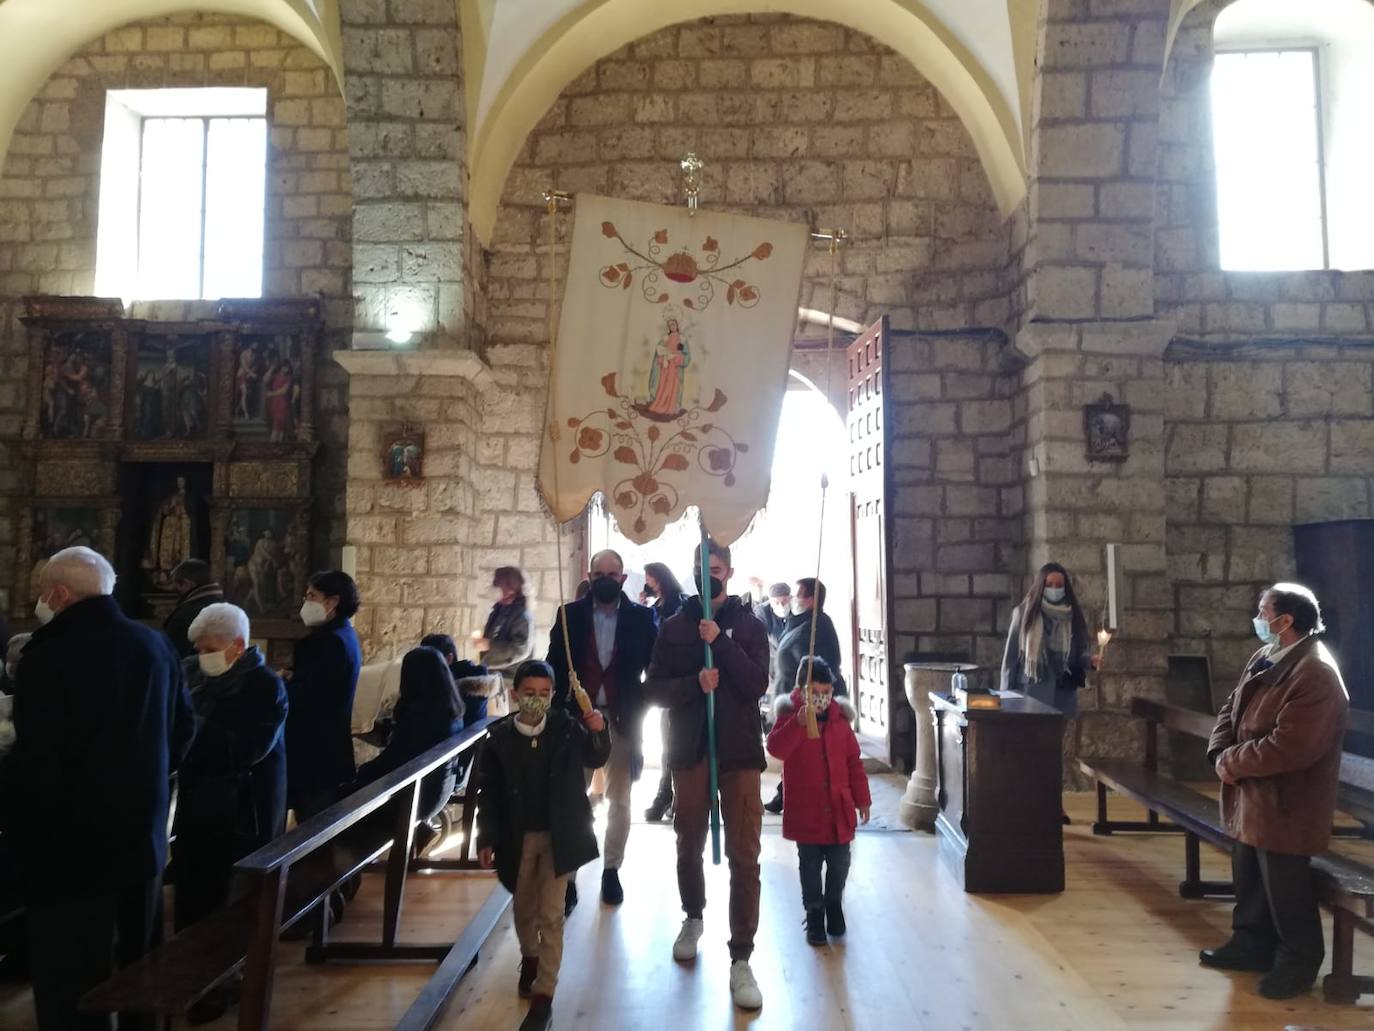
point(1083, 282)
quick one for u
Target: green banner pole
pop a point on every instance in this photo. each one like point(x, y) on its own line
point(710, 701)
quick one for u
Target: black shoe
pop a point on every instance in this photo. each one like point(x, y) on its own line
point(611, 892)
point(774, 804)
point(834, 919)
point(1236, 955)
point(570, 898)
point(815, 926)
point(1286, 981)
point(529, 970)
point(540, 1015)
point(659, 808)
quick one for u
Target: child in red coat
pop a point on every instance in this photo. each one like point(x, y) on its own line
point(824, 783)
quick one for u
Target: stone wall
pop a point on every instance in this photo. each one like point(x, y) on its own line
point(49, 197)
point(415, 555)
point(1261, 436)
point(956, 539)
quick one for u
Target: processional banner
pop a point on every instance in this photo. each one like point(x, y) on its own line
point(671, 364)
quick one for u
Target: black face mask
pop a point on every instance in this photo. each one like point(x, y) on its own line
point(649, 592)
point(716, 586)
point(605, 589)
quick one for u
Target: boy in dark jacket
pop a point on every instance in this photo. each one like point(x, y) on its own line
point(534, 823)
point(678, 681)
point(825, 783)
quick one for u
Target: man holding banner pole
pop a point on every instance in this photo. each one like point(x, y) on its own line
point(680, 680)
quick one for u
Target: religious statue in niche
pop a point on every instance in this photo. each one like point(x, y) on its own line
point(267, 387)
point(403, 454)
point(58, 527)
point(1107, 426)
point(260, 561)
point(169, 539)
point(76, 386)
point(172, 387)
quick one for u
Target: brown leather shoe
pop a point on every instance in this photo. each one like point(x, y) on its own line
point(529, 970)
point(540, 1015)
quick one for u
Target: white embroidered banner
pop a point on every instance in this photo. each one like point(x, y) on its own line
point(672, 362)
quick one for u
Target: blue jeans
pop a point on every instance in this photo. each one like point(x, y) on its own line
point(810, 858)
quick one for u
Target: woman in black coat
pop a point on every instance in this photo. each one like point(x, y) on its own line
point(429, 712)
point(663, 593)
point(462, 671)
point(321, 684)
point(232, 784)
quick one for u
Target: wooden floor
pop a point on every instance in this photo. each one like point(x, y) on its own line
point(1118, 949)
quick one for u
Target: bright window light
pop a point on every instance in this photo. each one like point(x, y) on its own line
point(192, 165)
point(1265, 126)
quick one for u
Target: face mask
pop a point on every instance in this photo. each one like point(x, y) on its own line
point(497, 594)
point(313, 613)
point(650, 592)
point(1054, 595)
point(11, 669)
point(533, 704)
point(43, 611)
point(213, 664)
point(820, 702)
point(605, 589)
point(1263, 630)
point(781, 608)
point(717, 588)
point(797, 607)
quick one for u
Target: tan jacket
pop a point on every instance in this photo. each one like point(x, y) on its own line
point(1279, 738)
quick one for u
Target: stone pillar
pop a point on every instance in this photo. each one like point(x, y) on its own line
point(1090, 331)
point(404, 94)
point(415, 541)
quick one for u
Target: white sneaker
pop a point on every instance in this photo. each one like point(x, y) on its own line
point(743, 988)
point(685, 947)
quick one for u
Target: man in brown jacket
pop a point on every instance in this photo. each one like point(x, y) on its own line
point(1277, 750)
point(678, 680)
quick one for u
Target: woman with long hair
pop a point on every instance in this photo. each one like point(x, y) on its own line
point(1048, 651)
point(663, 593)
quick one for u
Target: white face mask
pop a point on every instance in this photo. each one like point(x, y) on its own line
point(214, 664)
point(313, 613)
point(43, 611)
point(797, 607)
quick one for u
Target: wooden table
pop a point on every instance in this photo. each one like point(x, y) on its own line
point(1000, 785)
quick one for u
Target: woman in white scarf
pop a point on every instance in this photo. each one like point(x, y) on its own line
point(1048, 651)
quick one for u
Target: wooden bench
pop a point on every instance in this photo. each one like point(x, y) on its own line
point(1345, 886)
point(293, 876)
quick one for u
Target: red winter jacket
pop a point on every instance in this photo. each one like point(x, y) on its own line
point(823, 780)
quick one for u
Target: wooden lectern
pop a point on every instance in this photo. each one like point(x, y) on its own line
point(1000, 788)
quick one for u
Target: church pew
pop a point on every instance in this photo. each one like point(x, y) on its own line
point(1345, 886)
point(289, 879)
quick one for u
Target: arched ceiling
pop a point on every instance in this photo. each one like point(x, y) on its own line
point(520, 54)
point(37, 36)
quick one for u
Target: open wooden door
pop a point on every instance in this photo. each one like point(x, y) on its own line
point(873, 685)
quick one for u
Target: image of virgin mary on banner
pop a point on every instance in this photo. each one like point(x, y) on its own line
point(671, 365)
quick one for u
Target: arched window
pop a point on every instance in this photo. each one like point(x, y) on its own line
point(1292, 105)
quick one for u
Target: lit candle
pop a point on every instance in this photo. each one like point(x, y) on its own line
point(1104, 637)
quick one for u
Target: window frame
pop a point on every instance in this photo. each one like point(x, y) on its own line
point(1313, 50)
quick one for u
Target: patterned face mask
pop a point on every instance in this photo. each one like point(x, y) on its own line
point(820, 702)
point(533, 704)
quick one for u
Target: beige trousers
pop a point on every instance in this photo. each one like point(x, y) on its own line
point(539, 909)
point(618, 785)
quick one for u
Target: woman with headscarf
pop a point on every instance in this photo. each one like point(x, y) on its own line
point(663, 593)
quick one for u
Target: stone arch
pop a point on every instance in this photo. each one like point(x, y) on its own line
point(37, 36)
point(600, 27)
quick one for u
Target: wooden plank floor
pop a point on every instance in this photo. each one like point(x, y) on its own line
point(1117, 950)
